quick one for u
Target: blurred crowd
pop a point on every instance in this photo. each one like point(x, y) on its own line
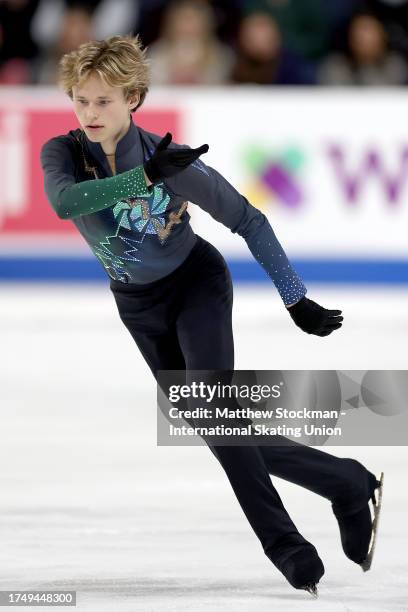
point(216, 42)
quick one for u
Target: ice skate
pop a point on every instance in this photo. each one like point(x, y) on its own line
point(303, 569)
point(366, 564)
point(312, 589)
point(358, 530)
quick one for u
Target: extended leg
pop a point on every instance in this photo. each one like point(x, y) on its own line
point(343, 481)
point(205, 336)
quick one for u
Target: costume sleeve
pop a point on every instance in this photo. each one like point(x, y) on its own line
point(204, 186)
point(70, 199)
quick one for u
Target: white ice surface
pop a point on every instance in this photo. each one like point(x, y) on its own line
point(88, 502)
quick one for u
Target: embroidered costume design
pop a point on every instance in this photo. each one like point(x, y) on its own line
point(144, 214)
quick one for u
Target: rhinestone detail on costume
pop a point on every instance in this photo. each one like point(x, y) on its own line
point(142, 216)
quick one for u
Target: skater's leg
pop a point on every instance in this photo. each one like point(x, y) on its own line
point(205, 333)
point(343, 481)
point(159, 345)
point(149, 313)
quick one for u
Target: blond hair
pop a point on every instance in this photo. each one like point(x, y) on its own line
point(120, 61)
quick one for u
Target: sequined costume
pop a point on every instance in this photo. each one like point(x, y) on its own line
point(142, 234)
point(174, 293)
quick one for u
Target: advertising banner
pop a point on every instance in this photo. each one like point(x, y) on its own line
point(316, 163)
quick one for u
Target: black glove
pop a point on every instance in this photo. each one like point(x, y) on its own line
point(314, 319)
point(168, 162)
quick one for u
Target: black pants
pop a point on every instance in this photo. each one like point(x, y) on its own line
point(184, 321)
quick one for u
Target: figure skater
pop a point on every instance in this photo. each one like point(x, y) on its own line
point(127, 191)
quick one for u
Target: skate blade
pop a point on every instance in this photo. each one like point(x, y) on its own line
point(312, 589)
point(366, 564)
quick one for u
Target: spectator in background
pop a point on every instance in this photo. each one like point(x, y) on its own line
point(304, 24)
point(109, 17)
point(261, 59)
point(75, 29)
point(394, 15)
point(17, 48)
point(339, 16)
point(188, 52)
point(227, 16)
point(367, 59)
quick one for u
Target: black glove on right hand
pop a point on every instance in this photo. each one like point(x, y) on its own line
point(314, 319)
point(168, 162)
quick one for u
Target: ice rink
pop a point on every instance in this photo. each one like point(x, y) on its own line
point(90, 503)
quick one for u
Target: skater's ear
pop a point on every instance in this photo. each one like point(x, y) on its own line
point(134, 102)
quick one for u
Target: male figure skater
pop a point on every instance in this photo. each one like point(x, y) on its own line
point(126, 190)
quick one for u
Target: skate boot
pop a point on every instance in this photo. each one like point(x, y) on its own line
point(358, 531)
point(301, 566)
point(304, 569)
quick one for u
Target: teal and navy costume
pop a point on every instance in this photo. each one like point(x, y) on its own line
point(141, 234)
point(173, 291)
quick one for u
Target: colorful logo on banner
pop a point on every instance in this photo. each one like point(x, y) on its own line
point(274, 176)
point(277, 175)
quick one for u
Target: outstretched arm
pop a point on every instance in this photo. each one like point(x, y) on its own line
point(206, 187)
point(70, 199)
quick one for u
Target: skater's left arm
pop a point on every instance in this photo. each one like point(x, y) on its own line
point(207, 188)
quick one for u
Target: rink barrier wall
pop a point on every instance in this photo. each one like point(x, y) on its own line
point(335, 192)
point(78, 269)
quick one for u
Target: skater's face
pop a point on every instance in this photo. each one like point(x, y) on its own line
point(98, 104)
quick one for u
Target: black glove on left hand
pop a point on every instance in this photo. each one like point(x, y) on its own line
point(314, 319)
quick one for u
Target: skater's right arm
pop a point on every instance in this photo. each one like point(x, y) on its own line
point(70, 199)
